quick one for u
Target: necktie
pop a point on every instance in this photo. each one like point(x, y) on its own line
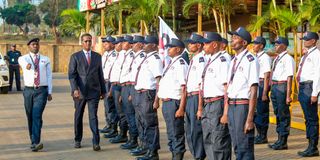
point(233, 71)
point(36, 71)
point(189, 71)
point(88, 58)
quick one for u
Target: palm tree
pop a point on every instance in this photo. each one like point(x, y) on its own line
point(74, 22)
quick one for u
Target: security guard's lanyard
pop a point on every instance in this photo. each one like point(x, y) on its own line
point(130, 68)
point(260, 55)
point(167, 69)
point(205, 70)
point(107, 57)
point(234, 70)
point(277, 60)
point(35, 65)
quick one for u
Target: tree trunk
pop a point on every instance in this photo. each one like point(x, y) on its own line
point(22, 30)
point(174, 27)
point(224, 23)
point(56, 35)
point(221, 23)
point(216, 19)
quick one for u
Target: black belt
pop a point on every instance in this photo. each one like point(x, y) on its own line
point(36, 87)
point(305, 82)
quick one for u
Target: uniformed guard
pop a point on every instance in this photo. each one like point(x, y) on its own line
point(282, 74)
point(262, 113)
point(115, 81)
point(172, 91)
point(308, 78)
point(147, 78)
point(126, 88)
point(193, 124)
point(243, 79)
point(108, 59)
point(217, 140)
point(14, 69)
point(223, 49)
point(38, 89)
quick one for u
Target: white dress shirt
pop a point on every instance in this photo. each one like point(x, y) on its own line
point(173, 78)
point(264, 63)
point(215, 76)
point(125, 71)
point(284, 68)
point(150, 69)
point(44, 70)
point(195, 71)
point(311, 69)
point(245, 76)
point(108, 59)
point(226, 55)
point(135, 64)
point(116, 69)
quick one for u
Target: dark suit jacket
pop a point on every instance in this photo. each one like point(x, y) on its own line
point(88, 79)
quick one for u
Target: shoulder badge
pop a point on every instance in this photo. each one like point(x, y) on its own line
point(157, 56)
point(141, 55)
point(223, 59)
point(201, 59)
point(131, 54)
point(182, 61)
point(250, 57)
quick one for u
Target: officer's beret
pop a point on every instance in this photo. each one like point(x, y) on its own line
point(310, 35)
point(151, 39)
point(282, 40)
point(33, 40)
point(259, 40)
point(175, 43)
point(194, 38)
point(243, 33)
point(211, 36)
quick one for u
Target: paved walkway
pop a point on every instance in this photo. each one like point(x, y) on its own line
point(57, 132)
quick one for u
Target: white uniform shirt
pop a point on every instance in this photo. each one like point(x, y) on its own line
point(311, 69)
point(215, 76)
point(125, 71)
point(44, 70)
point(245, 76)
point(150, 69)
point(226, 55)
point(284, 67)
point(108, 59)
point(116, 69)
point(195, 71)
point(135, 64)
point(264, 63)
point(173, 78)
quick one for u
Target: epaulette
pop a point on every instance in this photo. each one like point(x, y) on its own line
point(182, 61)
point(250, 57)
point(131, 54)
point(141, 55)
point(157, 56)
point(223, 59)
point(201, 59)
point(114, 54)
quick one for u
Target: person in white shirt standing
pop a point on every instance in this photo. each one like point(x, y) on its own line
point(38, 89)
point(309, 84)
point(282, 74)
point(193, 124)
point(172, 91)
point(261, 119)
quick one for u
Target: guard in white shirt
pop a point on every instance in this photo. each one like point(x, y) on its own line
point(243, 79)
point(108, 59)
point(308, 79)
point(217, 140)
point(115, 82)
point(282, 74)
point(261, 119)
point(193, 124)
point(38, 89)
point(126, 89)
point(172, 91)
point(223, 49)
point(147, 79)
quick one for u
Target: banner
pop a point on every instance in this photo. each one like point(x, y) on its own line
point(85, 5)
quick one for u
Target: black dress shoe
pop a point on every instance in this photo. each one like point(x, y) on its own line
point(111, 134)
point(282, 145)
point(150, 156)
point(77, 144)
point(119, 139)
point(139, 151)
point(129, 145)
point(261, 140)
point(96, 147)
point(37, 147)
point(106, 129)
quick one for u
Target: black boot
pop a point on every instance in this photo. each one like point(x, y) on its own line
point(113, 133)
point(275, 143)
point(282, 145)
point(312, 149)
point(178, 156)
point(106, 129)
point(132, 143)
point(121, 138)
point(258, 136)
point(151, 155)
point(263, 137)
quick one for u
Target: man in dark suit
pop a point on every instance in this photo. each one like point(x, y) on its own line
point(87, 86)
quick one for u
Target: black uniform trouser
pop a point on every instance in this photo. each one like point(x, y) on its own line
point(217, 140)
point(79, 105)
point(193, 128)
point(281, 109)
point(109, 107)
point(243, 144)
point(129, 111)
point(175, 126)
point(116, 93)
point(147, 119)
point(138, 116)
point(14, 70)
point(35, 101)
point(310, 111)
point(261, 119)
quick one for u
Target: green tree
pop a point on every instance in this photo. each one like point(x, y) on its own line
point(21, 14)
point(73, 22)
